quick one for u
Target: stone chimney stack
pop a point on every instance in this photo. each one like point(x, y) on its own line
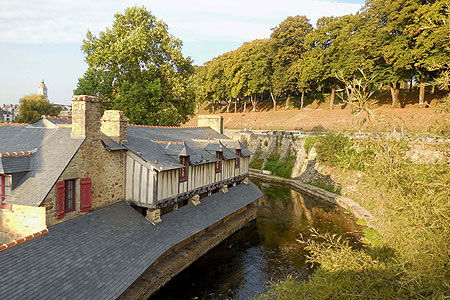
point(115, 124)
point(86, 116)
point(215, 122)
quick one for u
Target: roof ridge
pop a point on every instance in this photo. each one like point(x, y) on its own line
point(174, 127)
point(10, 154)
point(56, 118)
point(170, 142)
point(14, 124)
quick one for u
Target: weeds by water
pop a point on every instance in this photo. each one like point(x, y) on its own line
point(328, 187)
point(280, 168)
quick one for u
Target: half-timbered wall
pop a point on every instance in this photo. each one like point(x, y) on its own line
point(146, 186)
point(140, 181)
point(201, 175)
point(168, 184)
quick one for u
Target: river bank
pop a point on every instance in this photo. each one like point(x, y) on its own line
point(321, 194)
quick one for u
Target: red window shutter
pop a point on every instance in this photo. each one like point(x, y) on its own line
point(85, 194)
point(60, 195)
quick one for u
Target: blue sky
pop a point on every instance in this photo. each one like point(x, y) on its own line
point(42, 39)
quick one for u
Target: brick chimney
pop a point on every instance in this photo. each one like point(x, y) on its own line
point(114, 124)
point(215, 122)
point(86, 116)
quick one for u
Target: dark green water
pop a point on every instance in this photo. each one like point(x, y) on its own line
point(266, 249)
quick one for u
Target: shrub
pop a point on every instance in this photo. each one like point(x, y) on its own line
point(256, 164)
point(280, 168)
point(308, 143)
point(341, 151)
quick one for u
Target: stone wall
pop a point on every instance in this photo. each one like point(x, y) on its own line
point(105, 168)
point(306, 167)
point(213, 121)
point(21, 220)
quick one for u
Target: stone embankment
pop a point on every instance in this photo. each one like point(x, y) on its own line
point(321, 194)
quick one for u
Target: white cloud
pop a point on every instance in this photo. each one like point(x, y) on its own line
point(61, 21)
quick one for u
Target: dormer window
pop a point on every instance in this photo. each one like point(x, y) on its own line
point(219, 156)
point(5, 187)
point(237, 162)
point(183, 171)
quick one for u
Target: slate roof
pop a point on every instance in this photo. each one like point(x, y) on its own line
point(153, 144)
point(51, 151)
point(50, 121)
point(99, 255)
point(15, 164)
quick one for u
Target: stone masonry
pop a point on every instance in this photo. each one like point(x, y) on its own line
point(215, 122)
point(21, 220)
point(114, 124)
point(105, 168)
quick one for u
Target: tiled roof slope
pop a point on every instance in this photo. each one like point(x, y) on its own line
point(14, 164)
point(146, 141)
point(51, 151)
point(98, 255)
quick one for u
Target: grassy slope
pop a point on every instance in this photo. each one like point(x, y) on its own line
point(317, 116)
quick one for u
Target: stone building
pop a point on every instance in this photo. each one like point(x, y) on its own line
point(95, 187)
point(9, 112)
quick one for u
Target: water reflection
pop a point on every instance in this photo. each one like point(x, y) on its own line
point(267, 249)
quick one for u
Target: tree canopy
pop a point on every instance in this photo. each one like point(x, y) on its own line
point(137, 67)
point(393, 41)
point(32, 107)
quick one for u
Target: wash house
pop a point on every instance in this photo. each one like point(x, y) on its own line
point(165, 167)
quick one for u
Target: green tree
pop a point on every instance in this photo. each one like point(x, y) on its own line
point(32, 107)
point(336, 45)
point(390, 48)
point(249, 72)
point(431, 33)
point(137, 66)
point(287, 46)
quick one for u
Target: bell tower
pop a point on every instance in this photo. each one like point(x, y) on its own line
point(42, 89)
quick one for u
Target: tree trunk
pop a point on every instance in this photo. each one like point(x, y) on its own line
point(421, 95)
point(274, 99)
point(301, 100)
point(406, 85)
point(235, 105)
point(395, 90)
point(213, 107)
point(245, 105)
point(288, 101)
point(228, 105)
point(197, 107)
point(410, 85)
point(254, 101)
point(332, 96)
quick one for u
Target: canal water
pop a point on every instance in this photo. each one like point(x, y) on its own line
point(264, 250)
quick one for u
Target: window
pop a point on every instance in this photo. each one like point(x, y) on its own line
point(183, 171)
point(237, 162)
point(69, 203)
point(65, 196)
point(5, 187)
point(219, 156)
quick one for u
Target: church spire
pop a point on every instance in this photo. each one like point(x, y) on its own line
point(42, 89)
